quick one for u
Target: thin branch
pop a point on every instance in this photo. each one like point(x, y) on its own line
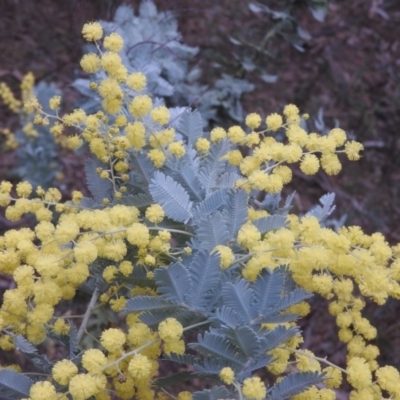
point(86, 317)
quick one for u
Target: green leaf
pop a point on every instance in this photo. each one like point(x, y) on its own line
point(270, 223)
point(173, 282)
point(142, 173)
point(146, 303)
point(216, 346)
point(171, 196)
point(245, 339)
point(227, 316)
point(212, 232)
point(211, 204)
point(235, 212)
point(268, 288)
point(293, 384)
point(238, 297)
point(272, 339)
point(191, 126)
point(14, 385)
point(205, 274)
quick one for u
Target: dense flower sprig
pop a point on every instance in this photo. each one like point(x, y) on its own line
point(49, 263)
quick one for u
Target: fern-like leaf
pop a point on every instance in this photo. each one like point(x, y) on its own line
point(212, 231)
point(218, 347)
point(238, 297)
point(235, 211)
point(205, 274)
point(191, 126)
point(227, 316)
point(327, 208)
point(272, 339)
point(173, 282)
point(213, 165)
point(245, 339)
point(293, 384)
point(147, 303)
point(14, 385)
point(187, 177)
point(171, 196)
point(267, 290)
point(270, 223)
point(211, 204)
point(294, 297)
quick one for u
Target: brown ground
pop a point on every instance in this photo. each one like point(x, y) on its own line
point(351, 67)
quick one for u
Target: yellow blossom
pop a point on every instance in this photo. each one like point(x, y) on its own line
point(227, 256)
point(113, 42)
point(93, 360)
point(352, 150)
point(140, 367)
point(155, 213)
point(253, 120)
point(203, 145)
point(160, 115)
point(217, 134)
point(112, 339)
point(136, 81)
point(63, 371)
point(42, 391)
point(140, 106)
point(90, 63)
point(170, 330)
point(254, 388)
point(92, 31)
point(83, 386)
point(274, 121)
point(227, 375)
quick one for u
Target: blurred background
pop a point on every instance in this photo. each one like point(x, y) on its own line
point(338, 61)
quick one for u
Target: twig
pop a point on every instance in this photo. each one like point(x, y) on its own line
point(86, 317)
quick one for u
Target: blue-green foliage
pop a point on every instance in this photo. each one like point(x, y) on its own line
point(37, 157)
point(153, 46)
point(234, 309)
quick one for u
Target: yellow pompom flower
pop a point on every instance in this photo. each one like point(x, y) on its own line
point(310, 164)
point(248, 235)
point(63, 371)
point(236, 134)
point(140, 106)
point(177, 149)
point(42, 391)
point(234, 157)
point(203, 145)
point(170, 330)
point(113, 42)
point(136, 134)
point(274, 121)
point(83, 386)
point(333, 377)
point(93, 360)
point(227, 375)
point(90, 63)
point(185, 395)
point(176, 346)
point(85, 252)
point(112, 339)
point(217, 134)
point(155, 213)
point(24, 189)
point(388, 379)
point(330, 163)
point(60, 327)
point(157, 156)
point(305, 361)
point(54, 102)
point(358, 373)
point(136, 81)
point(140, 367)
point(92, 31)
point(109, 89)
point(352, 150)
point(138, 235)
point(160, 115)
point(338, 135)
point(253, 120)
point(226, 254)
point(254, 388)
